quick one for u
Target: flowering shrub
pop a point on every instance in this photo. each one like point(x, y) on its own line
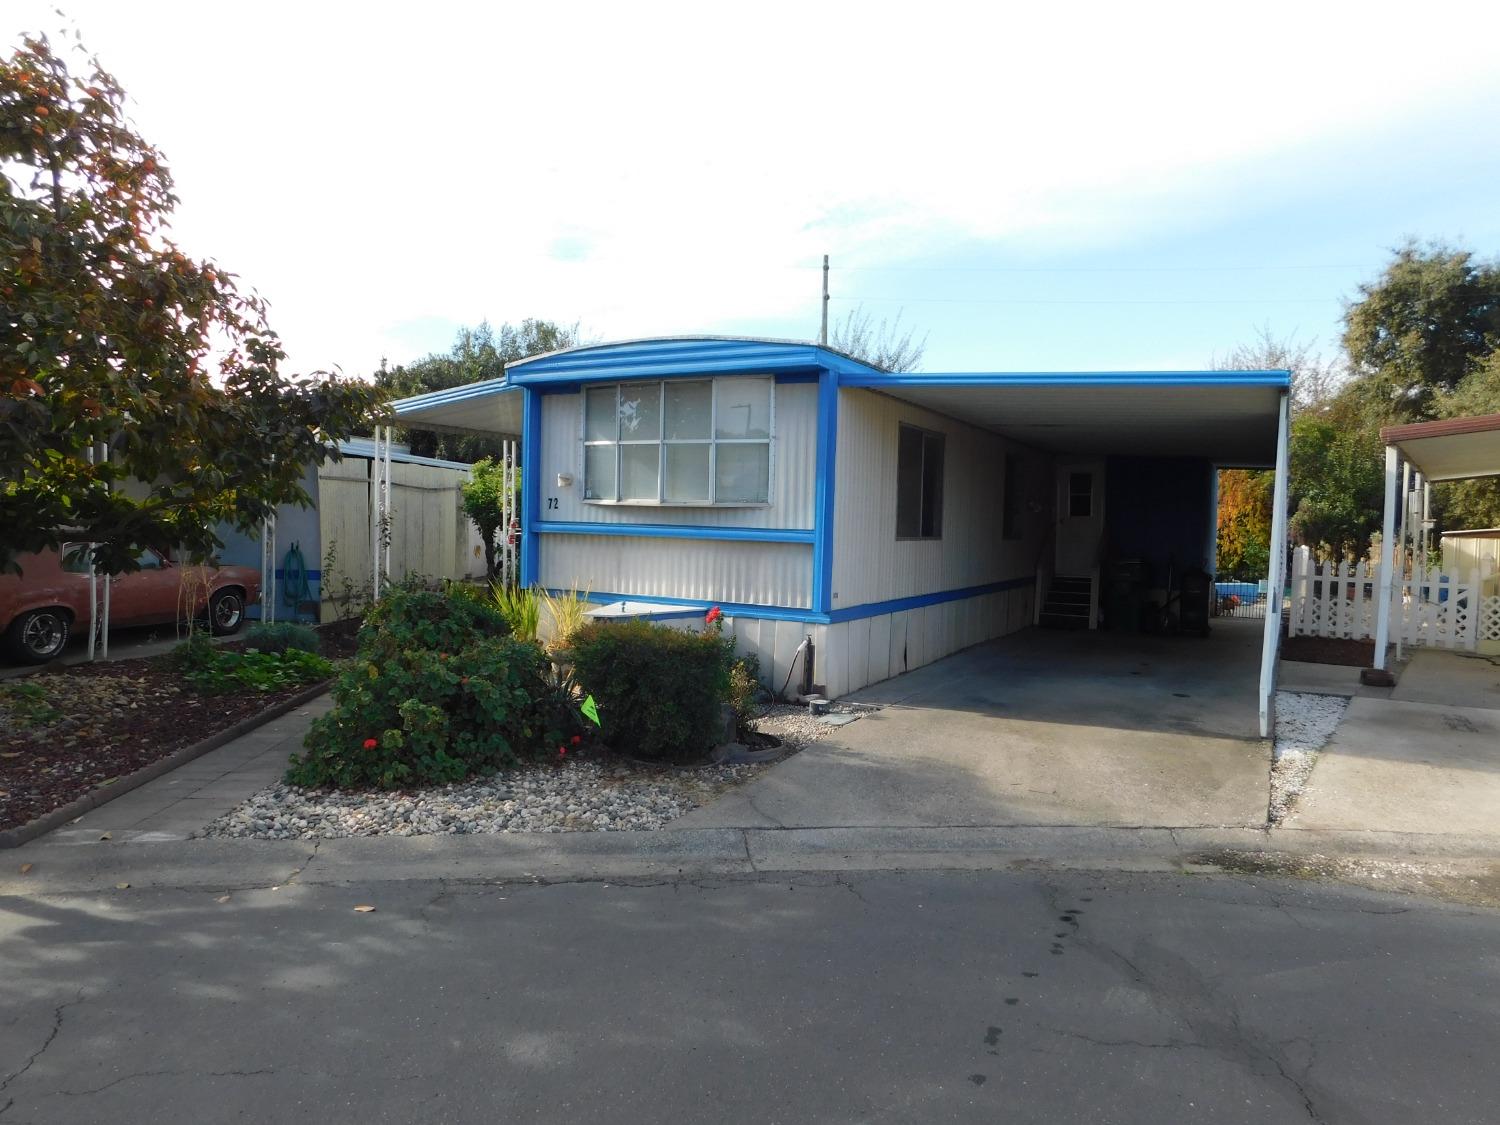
point(435, 694)
point(660, 691)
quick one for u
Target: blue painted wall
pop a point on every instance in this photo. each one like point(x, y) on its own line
point(1160, 509)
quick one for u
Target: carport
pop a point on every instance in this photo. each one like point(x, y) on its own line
point(1137, 436)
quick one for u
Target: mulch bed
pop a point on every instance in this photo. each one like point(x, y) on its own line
point(108, 720)
point(1329, 650)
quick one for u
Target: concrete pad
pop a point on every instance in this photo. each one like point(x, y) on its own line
point(1040, 728)
point(1325, 679)
point(1451, 678)
point(1407, 767)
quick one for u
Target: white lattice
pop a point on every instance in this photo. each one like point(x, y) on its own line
point(1489, 618)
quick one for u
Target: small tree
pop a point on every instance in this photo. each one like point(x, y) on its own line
point(885, 344)
point(484, 504)
point(125, 362)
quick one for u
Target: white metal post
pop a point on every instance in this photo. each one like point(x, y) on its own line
point(385, 508)
point(1276, 578)
point(1388, 587)
point(375, 519)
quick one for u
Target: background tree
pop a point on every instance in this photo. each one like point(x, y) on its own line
point(1244, 522)
point(1417, 332)
point(484, 504)
point(883, 344)
point(114, 340)
point(477, 354)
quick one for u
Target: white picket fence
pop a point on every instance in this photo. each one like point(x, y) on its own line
point(1441, 609)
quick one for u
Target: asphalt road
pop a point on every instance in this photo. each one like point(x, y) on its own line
point(978, 997)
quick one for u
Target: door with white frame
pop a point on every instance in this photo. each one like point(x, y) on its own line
point(1080, 516)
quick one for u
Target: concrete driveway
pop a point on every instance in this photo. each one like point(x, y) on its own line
point(1039, 728)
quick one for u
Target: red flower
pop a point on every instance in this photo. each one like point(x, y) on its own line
point(371, 743)
point(713, 615)
point(577, 738)
point(562, 751)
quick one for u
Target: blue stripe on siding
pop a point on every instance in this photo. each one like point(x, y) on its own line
point(531, 483)
point(898, 605)
point(676, 531)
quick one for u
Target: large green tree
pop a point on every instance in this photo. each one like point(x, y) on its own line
point(141, 401)
point(1417, 331)
point(477, 354)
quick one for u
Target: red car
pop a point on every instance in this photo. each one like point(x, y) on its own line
point(40, 607)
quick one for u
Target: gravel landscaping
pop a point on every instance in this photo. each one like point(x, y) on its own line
point(1304, 724)
point(602, 795)
point(589, 794)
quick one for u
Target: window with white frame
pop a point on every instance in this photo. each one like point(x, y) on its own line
point(678, 441)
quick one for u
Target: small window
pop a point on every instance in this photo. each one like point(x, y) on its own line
point(1010, 516)
point(75, 558)
point(919, 484)
point(700, 442)
point(1081, 494)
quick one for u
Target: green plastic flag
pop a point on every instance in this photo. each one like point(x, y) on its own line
point(591, 710)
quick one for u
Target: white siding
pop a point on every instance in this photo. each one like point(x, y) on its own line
point(870, 565)
point(854, 654)
point(773, 574)
point(794, 465)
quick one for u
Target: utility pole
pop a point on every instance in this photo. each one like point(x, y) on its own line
point(823, 335)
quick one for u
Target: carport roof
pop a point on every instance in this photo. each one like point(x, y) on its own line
point(1450, 449)
point(1229, 417)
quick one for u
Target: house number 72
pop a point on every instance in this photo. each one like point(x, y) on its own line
point(551, 503)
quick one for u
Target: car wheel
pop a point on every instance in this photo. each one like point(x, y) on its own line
point(40, 635)
point(226, 612)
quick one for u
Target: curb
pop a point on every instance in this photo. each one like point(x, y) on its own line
point(24, 833)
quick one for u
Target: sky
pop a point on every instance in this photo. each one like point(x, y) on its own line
point(1028, 187)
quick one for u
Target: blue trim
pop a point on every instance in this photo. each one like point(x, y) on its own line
point(311, 575)
point(731, 609)
point(365, 447)
point(898, 605)
point(828, 433)
point(1071, 379)
point(676, 531)
point(802, 377)
point(531, 483)
point(448, 395)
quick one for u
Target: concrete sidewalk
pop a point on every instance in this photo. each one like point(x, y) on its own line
point(1398, 766)
point(180, 803)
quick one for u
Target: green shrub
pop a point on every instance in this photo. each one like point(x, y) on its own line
point(278, 636)
point(660, 691)
point(414, 716)
point(745, 690)
point(441, 621)
point(221, 672)
point(521, 608)
point(437, 692)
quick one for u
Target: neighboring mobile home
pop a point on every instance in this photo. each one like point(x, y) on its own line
point(891, 518)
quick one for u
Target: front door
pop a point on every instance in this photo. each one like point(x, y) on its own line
point(1080, 516)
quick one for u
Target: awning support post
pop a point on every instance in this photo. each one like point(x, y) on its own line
point(1387, 558)
point(1271, 642)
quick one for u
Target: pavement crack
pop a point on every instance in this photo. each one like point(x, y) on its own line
point(133, 1076)
point(57, 1022)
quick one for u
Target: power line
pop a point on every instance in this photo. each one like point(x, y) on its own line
point(1079, 269)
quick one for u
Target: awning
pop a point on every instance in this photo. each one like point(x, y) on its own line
point(1450, 449)
point(492, 407)
point(1229, 417)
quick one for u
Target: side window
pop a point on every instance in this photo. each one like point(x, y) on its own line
point(1010, 526)
point(75, 558)
point(1081, 494)
point(149, 560)
point(919, 484)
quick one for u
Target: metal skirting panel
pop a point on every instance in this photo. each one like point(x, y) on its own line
point(793, 468)
point(770, 574)
point(855, 654)
point(870, 564)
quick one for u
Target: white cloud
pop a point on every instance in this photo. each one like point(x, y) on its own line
point(660, 168)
